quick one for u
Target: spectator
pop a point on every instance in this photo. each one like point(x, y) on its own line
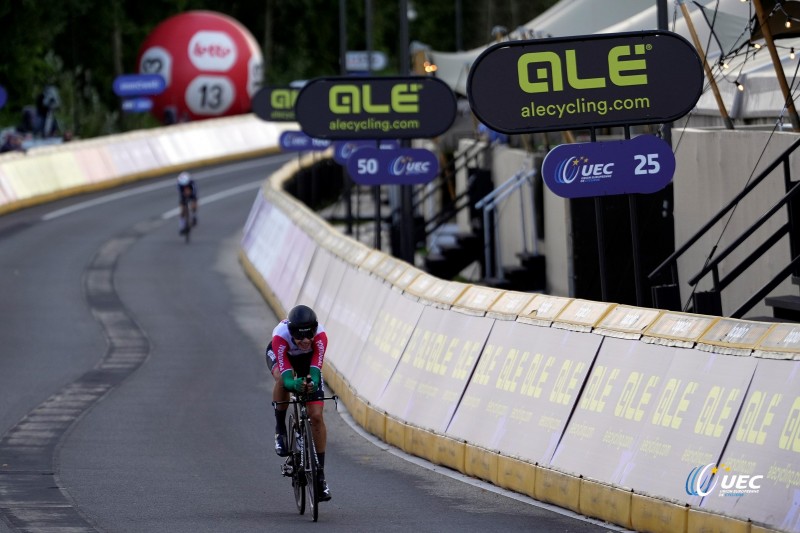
point(12, 143)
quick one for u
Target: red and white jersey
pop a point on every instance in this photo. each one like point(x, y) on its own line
point(289, 356)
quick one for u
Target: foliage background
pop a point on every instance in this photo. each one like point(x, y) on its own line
point(82, 45)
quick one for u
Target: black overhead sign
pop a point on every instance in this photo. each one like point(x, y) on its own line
point(275, 104)
point(588, 81)
point(375, 108)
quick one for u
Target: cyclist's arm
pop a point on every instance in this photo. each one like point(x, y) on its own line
point(280, 348)
point(320, 345)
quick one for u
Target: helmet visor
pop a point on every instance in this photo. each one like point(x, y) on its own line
point(303, 331)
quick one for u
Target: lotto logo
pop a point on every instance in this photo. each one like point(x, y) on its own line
point(212, 51)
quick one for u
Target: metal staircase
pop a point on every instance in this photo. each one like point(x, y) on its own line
point(785, 212)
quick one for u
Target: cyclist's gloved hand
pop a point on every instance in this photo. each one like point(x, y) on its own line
point(291, 383)
point(316, 378)
point(299, 384)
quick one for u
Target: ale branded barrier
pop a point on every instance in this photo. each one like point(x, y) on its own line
point(654, 420)
point(57, 170)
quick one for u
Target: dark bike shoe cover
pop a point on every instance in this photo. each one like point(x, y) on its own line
point(280, 445)
point(323, 490)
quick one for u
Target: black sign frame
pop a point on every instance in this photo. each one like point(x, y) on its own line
point(569, 83)
point(410, 107)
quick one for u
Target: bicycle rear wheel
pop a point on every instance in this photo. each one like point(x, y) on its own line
point(312, 482)
point(188, 229)
point(298, 472)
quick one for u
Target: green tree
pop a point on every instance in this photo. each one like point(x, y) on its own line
point(82, 45)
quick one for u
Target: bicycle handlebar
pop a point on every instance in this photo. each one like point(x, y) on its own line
point(305, 399)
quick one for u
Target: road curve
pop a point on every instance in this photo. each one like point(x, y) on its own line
point(134, 396)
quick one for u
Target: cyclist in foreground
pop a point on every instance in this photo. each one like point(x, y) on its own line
point(297, 351)
point(187, 199)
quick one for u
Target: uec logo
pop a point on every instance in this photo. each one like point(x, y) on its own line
point(570, 168)
point(703, 479)
point(406, 166)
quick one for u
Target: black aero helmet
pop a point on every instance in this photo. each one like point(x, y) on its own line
point(302, 322)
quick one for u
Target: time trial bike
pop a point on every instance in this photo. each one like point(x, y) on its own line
point(302, 465)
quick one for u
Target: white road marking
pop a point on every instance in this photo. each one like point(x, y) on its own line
point(199, 175)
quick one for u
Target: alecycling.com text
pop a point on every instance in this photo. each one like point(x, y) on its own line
point(371, 124)
point(583, 106)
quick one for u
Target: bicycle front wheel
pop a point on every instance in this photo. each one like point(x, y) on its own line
point(312, 481)
point(298, 472)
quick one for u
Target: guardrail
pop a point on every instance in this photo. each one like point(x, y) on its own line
point(615, 412)
point(47, 172)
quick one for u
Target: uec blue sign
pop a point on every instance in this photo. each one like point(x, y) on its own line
point(137, 105)
point(297, 141)
point(342, 150)
point(404, 166)
point(139, 84)
point(644, 164)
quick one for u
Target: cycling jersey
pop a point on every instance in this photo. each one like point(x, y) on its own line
point(288, 356)
point(184, 197)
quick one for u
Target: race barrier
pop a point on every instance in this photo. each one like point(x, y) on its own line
point(53, 171)
point(653, 420)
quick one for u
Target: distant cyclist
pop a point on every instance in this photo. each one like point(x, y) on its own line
point(297, 351)
point(187, 199)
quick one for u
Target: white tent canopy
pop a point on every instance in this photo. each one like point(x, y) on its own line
point(762, 97)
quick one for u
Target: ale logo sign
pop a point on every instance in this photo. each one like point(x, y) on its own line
point(376, 108)
point(275, 104)
point(581, 82)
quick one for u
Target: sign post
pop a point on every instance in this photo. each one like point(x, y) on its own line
point(344, 108)
point(592, 81)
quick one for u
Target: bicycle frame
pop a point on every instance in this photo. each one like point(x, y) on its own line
point(302, 464)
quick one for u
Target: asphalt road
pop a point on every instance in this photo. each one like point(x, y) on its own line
point(134, 395)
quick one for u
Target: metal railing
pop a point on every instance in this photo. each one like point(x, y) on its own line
point(491, 227)
point(457, 201)
point(790, 227)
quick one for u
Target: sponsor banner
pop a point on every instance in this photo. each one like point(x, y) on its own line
point(612, 411)
point(403, 166)
point(312, 284)
point(275, 104)
point(782, 341)
point(350, 321)
point(139, 85)
point(407, 278)
point(435, 367)
point(737, 334)
point(137, 105)
point(700, 397)
point(342, 150)
point(298, 260)
point(585, 82)
point(628, 320)
point(584, 313)
point(297, 141)
point(523, 390)
point(330, 287)
point(644, 164)
point(394, 323)
point(372, 260)
point(758, 476)
point(509, 305)
point(543, 309)
point(682, 327)
point(411, 107)
point(477, 299)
